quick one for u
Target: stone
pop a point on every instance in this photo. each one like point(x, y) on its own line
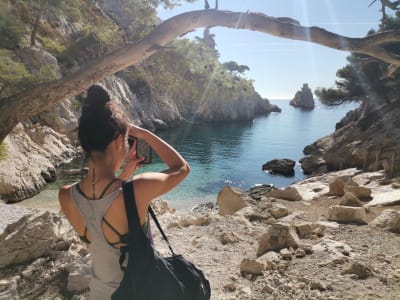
point(335, 249)
point(362, 270)
point(285, 253)
point(305, 229)
point(300, 253)
point(251, 266)
point(289, 193)
point(280, 166)
point(257, 192)
point(389, 219)
point(278, 211)
point(78, 268)
point(270, 259)
point(336, 187)
point(360, 192)
point(350, 199)
point(33, 235)
point(228, 238)
point(231, 199)
point(347, 214)
point(303, 98)
point(277, 237)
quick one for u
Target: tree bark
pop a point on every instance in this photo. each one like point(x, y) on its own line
point(36, 100)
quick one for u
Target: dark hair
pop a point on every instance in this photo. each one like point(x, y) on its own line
point(101, 122)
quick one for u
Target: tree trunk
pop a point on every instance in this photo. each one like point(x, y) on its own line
point(34, 101)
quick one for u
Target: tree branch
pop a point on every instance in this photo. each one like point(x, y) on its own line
point(33, 101)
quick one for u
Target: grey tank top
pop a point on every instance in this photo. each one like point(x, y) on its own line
point(105, 270)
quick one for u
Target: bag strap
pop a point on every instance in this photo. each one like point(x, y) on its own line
point(133, 216)
point(131, 212)
point(153, 215)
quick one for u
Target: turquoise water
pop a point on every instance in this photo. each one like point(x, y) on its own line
point(233, 153)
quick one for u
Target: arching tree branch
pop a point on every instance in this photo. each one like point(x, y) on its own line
point(33, 101)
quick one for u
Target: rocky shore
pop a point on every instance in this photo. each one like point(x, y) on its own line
point(336, 236)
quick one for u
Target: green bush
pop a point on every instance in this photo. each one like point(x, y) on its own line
point(11, 29)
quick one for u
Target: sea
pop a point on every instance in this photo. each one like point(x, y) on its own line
point(231, 153)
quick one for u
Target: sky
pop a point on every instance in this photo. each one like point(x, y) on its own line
point(278, 66)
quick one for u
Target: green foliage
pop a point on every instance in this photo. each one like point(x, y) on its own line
point(364, 77)
point(3, 150)
point(14, 75)
point(191, 74)
point(51, 46)
point(234, 67)
point(11, 29)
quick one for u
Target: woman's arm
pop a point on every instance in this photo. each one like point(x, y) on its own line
point(151, 185)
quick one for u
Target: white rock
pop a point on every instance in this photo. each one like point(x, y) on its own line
point(347, 214)
point(386, 198)
point(231, 199)
point(289, 193)
point(389, 219)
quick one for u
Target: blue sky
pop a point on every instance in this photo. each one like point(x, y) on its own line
point(279, 67)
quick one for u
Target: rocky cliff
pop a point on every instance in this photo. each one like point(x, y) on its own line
point(368, 138)
point(68, 39)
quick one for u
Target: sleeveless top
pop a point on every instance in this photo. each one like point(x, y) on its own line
point(106, 273)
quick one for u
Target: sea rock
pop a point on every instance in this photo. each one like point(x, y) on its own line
point(280, 166)
point(278, 211)
point(289, 193)
point(303, 98)
point(347, 214)
point(231, 199)
point(277, 237)
point(389, 219)
point(33, 235)
point(257, 192)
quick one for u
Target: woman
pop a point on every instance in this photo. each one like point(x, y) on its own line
point(95, 205)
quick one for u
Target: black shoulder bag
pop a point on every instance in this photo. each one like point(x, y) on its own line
point(148, 276)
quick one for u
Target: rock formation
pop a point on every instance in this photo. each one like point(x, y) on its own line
point(280, 166)
point(303, 98)
point(269, 249)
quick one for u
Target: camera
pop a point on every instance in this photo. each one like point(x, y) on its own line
point(143, 149)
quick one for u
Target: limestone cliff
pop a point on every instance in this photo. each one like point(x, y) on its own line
point(368, 138)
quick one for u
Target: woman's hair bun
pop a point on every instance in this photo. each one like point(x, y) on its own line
point(97, 97)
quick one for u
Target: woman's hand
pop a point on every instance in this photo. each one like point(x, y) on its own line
point(132, 163)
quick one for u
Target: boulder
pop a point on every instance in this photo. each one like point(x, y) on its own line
point(303, 98)
point(270, 259)
point(305, 229)
point(258, 192)
point(34, 234)
point(389, 219)
point(277, 237)
point(360, 192)
point(289, 193)
point(349, 199)
point(280, 166)
point(231, 199)
point(278, 211)
point(336, 187)
point(347, 214)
